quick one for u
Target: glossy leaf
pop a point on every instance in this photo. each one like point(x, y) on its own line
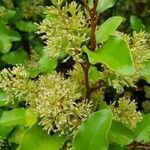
point(7, 16)
point(146, 71)
point(136, 23)
point(13, 117)
point(15, 57)
point(37, 139)
point(47, 64)
point(33, 72)
point(18, 116)
point(4, 131)
point(108, 28)
point(93, 132)
point(6, 38)
point(17, 134)
point(94, 74)
point(105, 4)
point(26, 26)
point(142, 131)
point(115, 53)
point(117, 147)
point(120, 134)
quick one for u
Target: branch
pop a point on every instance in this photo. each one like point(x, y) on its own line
point(94, 19)
point(85, 67)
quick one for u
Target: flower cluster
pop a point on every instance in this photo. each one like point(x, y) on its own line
point(36, 9)
point(68, 35)
point(15, 82)
point(126, 112)
point(59, 104)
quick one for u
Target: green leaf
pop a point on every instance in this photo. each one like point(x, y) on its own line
point(146, 71)
point(15, 57)
point(120, 134)
point(7, 36)
point(47, 64)
point(108, 28)
point(93, 132)
point(142, 131)
point(94, 75)
point(7, 16)
point(31, 117)
point(117, 147)
point(4, 131)
point(105, 4)
point(116, 54)
point(3, 98)
point(26, 26)
point(136, 23)
point(17, 134)
point(18, 116)
point(33, 72)
point(37, 139)
point(90, 3)
point(13, 117)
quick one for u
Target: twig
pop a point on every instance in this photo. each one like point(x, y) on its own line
point(85, 67)
point(94, 19)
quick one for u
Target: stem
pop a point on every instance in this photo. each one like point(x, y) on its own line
point(94, 19)
point(86, 67)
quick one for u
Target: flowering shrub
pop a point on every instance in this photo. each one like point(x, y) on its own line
point(70, 103)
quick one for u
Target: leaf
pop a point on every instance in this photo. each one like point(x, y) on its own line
point(47, 64)
point(33, 72)
point(17, 134)
point(18, 116)
point(31, 117)
point(117, 147)
point(37, 139)
point(26, 26)
point(15, 57)
point(93, 132)
point(94, 74)
point(136, 23)
point(108, 28)
point(4, 131)
point(90, 3)
point(13, 117)
point(120, 134)
point(105, 4)
point(142, 131)
point(116, 54)
point(7, 16)
point(3, 98)
point(146, 71)
point(7, 36)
